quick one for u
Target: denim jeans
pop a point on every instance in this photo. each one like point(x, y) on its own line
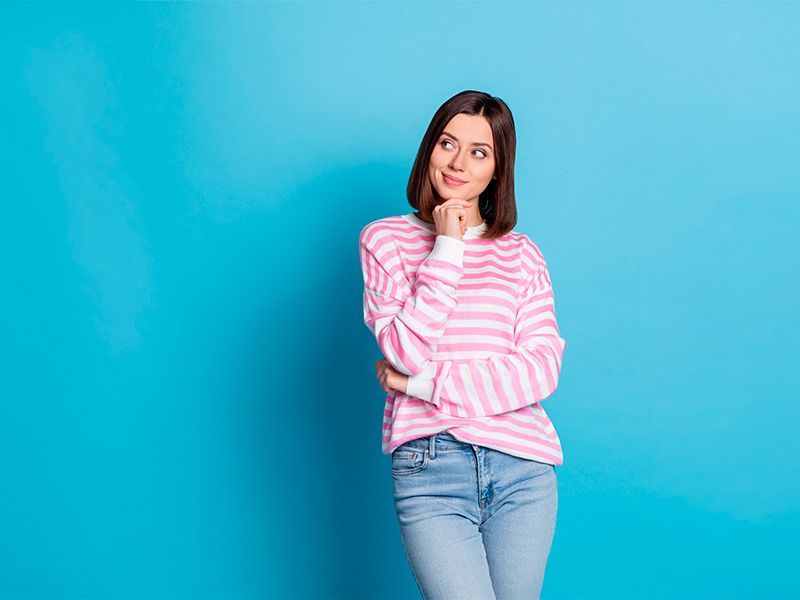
point(476, 523)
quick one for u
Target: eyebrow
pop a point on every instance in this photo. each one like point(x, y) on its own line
point(474, 143)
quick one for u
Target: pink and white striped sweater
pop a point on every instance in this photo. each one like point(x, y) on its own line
point(472, 323)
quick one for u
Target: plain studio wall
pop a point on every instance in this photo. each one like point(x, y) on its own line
point(189, 406)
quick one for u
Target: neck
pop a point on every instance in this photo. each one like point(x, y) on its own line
point(474, 216)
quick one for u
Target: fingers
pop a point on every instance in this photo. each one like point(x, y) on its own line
point(384, 370)
point(450, 217)
point(384, 381)
point(454, 206)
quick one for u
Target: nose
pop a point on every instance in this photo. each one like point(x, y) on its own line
point(459, 160)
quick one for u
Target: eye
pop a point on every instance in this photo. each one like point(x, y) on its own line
point(446, 144)
point(481, 153)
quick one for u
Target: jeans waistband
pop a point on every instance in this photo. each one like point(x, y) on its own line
point(442, 441)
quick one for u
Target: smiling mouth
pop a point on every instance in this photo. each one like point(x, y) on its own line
point(452, 180)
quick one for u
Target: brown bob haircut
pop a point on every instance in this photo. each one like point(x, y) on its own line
point(497, 204)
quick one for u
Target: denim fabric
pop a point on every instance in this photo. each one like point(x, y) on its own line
point(476, 523)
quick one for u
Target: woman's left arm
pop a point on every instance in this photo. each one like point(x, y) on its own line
point(503, 383)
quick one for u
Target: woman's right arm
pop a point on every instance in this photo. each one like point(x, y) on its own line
point(408, 320)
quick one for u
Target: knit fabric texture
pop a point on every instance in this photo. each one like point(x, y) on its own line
point(472, 323)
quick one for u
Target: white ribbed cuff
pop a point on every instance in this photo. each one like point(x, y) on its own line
point(448, 249)
point(420, 387)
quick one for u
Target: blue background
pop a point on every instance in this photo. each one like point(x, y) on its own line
point(189, 408)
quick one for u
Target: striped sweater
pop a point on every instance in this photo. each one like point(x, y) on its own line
point(472, 323)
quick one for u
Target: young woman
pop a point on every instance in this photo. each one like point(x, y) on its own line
point(462, 308)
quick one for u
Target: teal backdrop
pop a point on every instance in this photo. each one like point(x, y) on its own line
point(189, 405)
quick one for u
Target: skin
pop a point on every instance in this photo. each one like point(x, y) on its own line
point(461, 166)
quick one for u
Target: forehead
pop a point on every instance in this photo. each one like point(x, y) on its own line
point(470, 128)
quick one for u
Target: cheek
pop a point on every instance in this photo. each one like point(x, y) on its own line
point(486, 173)
point(436, 159)
point(437, 162)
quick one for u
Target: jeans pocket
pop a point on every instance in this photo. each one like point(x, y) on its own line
point(409, 461)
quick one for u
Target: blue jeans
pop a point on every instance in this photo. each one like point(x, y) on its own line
point(476, 523)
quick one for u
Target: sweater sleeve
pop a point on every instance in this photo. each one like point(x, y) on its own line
point(408, 320)
point(503, 382)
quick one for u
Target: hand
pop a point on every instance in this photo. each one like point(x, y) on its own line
point(450, 217)
point(390, 378)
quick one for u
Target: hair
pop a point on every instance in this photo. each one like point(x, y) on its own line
point(497, 204)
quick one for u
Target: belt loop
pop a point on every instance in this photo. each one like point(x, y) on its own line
point(432, 446)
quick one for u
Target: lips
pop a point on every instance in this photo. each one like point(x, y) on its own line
point(450, 180)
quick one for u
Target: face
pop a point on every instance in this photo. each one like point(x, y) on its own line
point(463, 160)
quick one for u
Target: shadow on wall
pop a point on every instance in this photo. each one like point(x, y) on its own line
point(311, 409)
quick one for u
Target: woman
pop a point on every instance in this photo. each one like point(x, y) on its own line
point(462, 309)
